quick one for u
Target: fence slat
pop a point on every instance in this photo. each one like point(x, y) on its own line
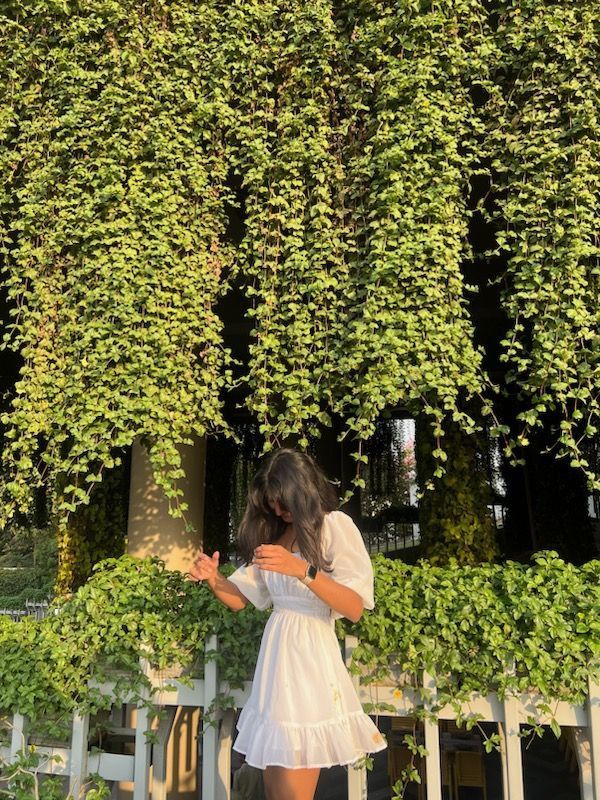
point(357, 778)
point(433, 767)
point(79, 753)
point(224, 755)
point(503, 761)
point(513, 771)
point(593, 708)
point(143, 749)
point(209, 732)
point(159, 754)
point(581, 742)
point(18, 740)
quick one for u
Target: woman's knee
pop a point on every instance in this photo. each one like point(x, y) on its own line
point(290, 784)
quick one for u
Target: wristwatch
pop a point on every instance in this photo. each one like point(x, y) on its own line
point(311, 574)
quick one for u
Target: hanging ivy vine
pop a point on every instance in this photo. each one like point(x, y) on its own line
point(454, 519)
point(412, 135)
point(543, 137)
point(286, 148)
point(112, 207)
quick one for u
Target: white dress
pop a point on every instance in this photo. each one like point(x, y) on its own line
point(303, 710)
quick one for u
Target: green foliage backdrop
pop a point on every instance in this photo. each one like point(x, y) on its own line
point(454, 520)
point(354, 130)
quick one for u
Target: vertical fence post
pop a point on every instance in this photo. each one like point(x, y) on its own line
point(503, 761)
point(143, 749)
point(209, 733)
point(357, 778)
point(583, 751)
point(224, 755)
point(159, 754)
point(78, 768)
point(18, 739)
point(593, 709)
point(433, 768)
point(513, 772)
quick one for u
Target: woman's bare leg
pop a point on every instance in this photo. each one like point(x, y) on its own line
point(282, 783)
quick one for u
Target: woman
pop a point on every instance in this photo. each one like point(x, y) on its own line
point(307, 560)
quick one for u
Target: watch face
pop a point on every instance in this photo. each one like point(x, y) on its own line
point(311, 572)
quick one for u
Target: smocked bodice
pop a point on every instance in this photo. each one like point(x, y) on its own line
point(290, 594)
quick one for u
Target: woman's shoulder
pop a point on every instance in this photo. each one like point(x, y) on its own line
point(337, 525)
point(332, 519)
point(339, 516)
point(344, 547)
point(337, 512)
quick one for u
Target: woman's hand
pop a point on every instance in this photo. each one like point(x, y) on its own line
point(205, 568)
point(275, 558)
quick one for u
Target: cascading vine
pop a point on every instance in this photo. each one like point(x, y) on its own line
point(356, 165)
point(113, 214)
point(454, 520)
point(543, 138)
point(412, 146)
point(286, 150)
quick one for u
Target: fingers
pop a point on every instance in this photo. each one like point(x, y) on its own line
point(205, 559)
point(258, 555)
point(204, 567)
point(268, 563)
point(197, 578)
point(268, 549)
point(264, 564)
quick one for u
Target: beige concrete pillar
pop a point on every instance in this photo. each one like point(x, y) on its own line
point(151, 531)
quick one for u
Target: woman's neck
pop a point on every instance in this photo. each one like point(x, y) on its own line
point(288, 537)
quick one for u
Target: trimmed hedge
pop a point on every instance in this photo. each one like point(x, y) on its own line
point(15, 581)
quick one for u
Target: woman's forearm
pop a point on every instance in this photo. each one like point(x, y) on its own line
point(342, 599)
point(227, 592)
point(275, 558)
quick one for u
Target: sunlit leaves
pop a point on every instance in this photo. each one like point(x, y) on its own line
point(544, 145)
point(113, 214)
point(354, 133)
point(507, 628)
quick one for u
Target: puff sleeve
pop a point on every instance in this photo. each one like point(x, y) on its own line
point(251, 583)
point(343, 544)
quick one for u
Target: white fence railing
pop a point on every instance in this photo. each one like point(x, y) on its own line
point(33, 608)
point(77, 762)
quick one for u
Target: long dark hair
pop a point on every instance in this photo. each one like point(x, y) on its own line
point(300, 486)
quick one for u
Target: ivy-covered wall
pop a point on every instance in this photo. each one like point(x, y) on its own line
point(347, 137)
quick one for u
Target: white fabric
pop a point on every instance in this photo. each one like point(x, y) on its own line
point(303, 710)
point(344, 546)
point(250, 581)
